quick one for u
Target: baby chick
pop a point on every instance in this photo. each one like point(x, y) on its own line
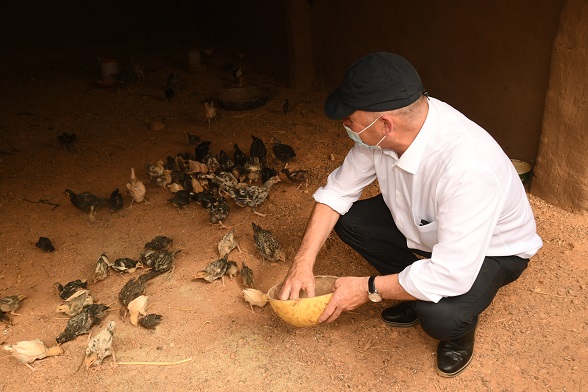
point(267, 244)
point(164, 261)
point(201, 151)
point(253, 195)
point(155, 170)
point(81, 323)
point(136, 188)
point(5, 318)
point(11, 303)
point(45, 244)
point(100, 347)
point(255, 298)
point(134, 288)
point(125, 264)
point(210, 112)
point(137, 307)
point(180, 199)
point(257, 149)
point(102, 266)
point(213, 271)
point(218, 210)
point(86, 202)
point(67, 139)
point(28, 351)
point(283, 152)
point(115, 201)
point(159, 243)
point(70, 288)
point(239, 156)
point(227, 243)
point(150, 321)
point(74, 304)
point(232, 269)
point(300, 175)
point(253, 169)
point(247, 276)
point(286, 106)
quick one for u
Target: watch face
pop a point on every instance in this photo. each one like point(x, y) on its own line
point(374, 297)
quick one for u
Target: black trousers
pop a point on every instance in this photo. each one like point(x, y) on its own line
point(368, 227)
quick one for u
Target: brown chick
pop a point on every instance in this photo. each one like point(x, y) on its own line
point(150, 321)
point(232, 269)
point(136, 188)
point(5, 318)
point(227, 243)
point(102, 267)
point(247, 276)
point(28, 351)
point(253, 195)
point(134, 288)
point(11, 303)
point(81, 323)
point(210, 112)
point(74, 304)
point(159, 243)
point(137, 307)
point(100, 347)
point(267, 244)
point(213, 271)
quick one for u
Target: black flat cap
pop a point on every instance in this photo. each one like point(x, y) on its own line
point(376, 83)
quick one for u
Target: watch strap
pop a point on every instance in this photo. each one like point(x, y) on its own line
point(372, 285)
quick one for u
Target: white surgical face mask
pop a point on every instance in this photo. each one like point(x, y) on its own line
point(355, 136)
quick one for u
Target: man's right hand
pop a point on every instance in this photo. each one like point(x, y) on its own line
point(298, 278)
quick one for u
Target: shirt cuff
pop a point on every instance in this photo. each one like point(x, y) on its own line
point(405, 280)
point(337, 203)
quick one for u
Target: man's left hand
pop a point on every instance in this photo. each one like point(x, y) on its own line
point(349, 293)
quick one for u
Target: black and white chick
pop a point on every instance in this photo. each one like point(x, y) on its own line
point(125, 264)
point(70, 288)
point(102, 267)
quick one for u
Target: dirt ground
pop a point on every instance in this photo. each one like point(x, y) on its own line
point(533, 338)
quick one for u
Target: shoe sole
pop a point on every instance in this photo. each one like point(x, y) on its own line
point(400, 325)
point(456, 373)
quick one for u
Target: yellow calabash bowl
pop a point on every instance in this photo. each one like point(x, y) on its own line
point(303, 312)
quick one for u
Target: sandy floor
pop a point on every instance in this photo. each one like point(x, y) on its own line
point(534, 337)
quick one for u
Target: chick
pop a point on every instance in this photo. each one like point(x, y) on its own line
point(247, 276)
point(125, 264)
point(134, 288)
point(150, 321)
point(5, 318)
point(165, 179)
point(267, 244)
point(67, 139)
point(74, 304)
point(136, 188)
point(227, 243)
point(155, 170)
point(232, 269)
point(81, 323)
point(218, 210)
point(11, 303)
point(70, 288)
point(286, 106)
point(86, 202)
point(45, 244)
point(102, 267)
point(300, 175)
point(163, 261)
point(28, 351)
point(100, 347)
point(180, 199)
point(283, 152)
point(267, 173)
point(225, 161)
point(202, 150)
point(253, 195)
point(159, 243)
point(253, 169)
point(115, 201)
point(255, 298)
point(209, 112)
point(137, 307)
point(172, 86)
point(213, 271)
point(257, 149)
point(239, 156)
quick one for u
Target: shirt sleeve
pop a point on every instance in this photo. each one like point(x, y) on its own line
point(345, 184)
point(470, 200)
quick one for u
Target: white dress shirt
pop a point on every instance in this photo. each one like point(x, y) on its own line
point(455, 176)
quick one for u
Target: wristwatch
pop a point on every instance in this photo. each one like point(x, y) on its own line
point(373, 294)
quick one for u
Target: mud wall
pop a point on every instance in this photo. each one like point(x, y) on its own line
point(561, 173)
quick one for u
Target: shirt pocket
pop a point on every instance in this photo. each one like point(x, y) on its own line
point(428, 234)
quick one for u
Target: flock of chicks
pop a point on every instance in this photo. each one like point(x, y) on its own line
point(84, 313)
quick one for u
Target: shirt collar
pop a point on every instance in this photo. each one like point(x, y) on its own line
point(412, 157)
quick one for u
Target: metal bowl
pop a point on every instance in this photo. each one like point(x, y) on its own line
point(243, 98)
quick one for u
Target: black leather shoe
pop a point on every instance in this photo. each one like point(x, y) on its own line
point(453, 356)
point(402, 315)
